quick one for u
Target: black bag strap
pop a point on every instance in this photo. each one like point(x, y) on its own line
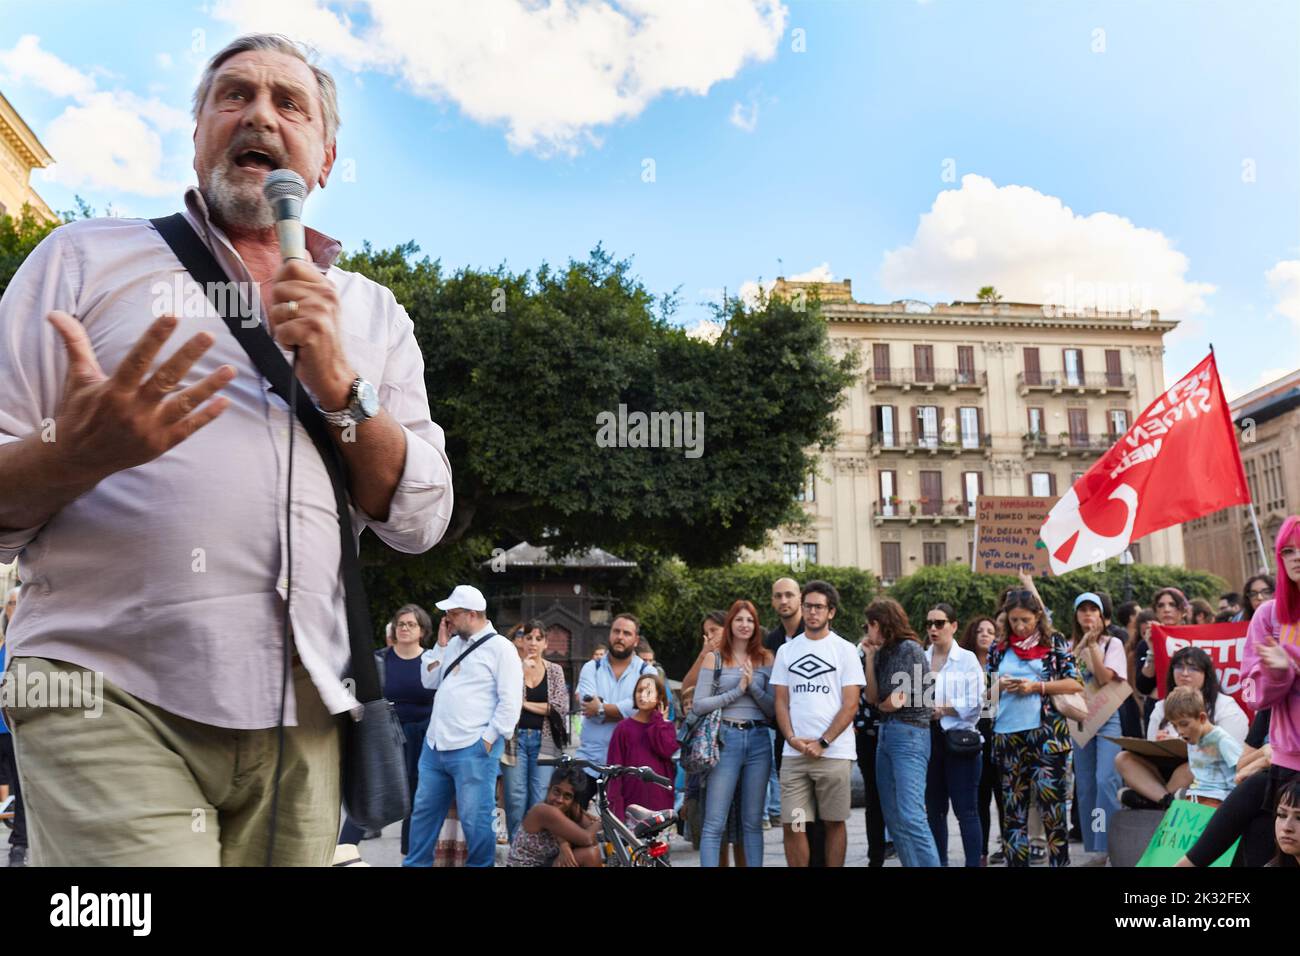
point(466, 653)
point(270, 362)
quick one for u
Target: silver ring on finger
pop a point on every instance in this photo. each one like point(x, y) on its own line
point(292, 305)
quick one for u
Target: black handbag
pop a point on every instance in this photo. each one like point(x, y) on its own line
point(374, 784)
point(961, 742)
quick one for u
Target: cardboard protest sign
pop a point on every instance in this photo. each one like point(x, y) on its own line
point(1006, 535)
point(1102, 702)
point(1173, 748)
point(1225, 643)
point(1182, 825)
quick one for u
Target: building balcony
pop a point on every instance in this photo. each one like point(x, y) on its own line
point(925, 443)
point(1086, 383)
point(1066, 445)
point(914, 511)
point(927, 379)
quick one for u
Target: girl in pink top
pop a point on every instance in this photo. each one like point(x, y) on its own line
point(1271, 670)
point(646, 739)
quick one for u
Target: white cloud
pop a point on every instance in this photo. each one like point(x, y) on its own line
point(164, 60)
point(553, 74)
point(1034, 248)
point(706, 330)
point(105, 140)
point(745, 119)
point(749, 291)
point(1284, 280)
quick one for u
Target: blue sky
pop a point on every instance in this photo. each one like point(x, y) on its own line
point(1146, 149)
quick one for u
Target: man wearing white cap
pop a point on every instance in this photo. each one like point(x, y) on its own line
point(480, 688)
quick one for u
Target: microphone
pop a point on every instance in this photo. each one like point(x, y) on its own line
point(285, 191)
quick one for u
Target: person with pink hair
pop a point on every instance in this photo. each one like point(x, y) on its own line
point(1271, 669)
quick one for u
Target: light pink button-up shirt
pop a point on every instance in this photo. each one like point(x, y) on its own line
point(170, 577)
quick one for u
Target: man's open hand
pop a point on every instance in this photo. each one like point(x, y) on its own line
point(106, 424)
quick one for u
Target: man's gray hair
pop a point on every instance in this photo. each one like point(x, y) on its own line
point(280, 44)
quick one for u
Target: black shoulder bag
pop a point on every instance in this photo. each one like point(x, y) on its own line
point(374, 785)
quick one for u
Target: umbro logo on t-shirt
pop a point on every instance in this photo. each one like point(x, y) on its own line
point(810, 666)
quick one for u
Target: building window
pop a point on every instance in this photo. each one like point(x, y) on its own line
point(1114, 377)
point(931, 492)
point(923, 356)
point(1252, 481)
point(1274, 489)
point(888, 491)
point(1037, 424)
point(970, 427)
point(927, 426)
point(1033, 371)
point(1042, 484)
point(1073, 366)
point(891, 561)
point(973, 485)
point(887, 426)
point(790, 553)
point(810, 553)
point(880, 362)
point(809, 490)
point(965, 364)
point(1118, 423)
point(934, 553)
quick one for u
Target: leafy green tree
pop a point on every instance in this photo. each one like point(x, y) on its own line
point(973, 595)
point(678, 597)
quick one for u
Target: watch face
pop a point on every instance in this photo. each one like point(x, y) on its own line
point(368, 399)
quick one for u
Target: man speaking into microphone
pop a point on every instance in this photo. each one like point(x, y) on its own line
point(143, 476)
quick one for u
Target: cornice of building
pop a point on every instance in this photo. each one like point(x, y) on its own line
point(20, 136)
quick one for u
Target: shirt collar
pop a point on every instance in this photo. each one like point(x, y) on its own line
point(486, 629)
point(323, 249)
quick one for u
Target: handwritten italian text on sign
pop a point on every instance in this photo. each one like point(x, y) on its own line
point(1006, 534)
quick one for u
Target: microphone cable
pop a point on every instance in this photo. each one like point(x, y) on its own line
point(288, 599)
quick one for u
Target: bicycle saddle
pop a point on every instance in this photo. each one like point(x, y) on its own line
point(645, 822)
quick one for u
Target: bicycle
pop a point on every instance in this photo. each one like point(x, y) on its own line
point(641, 845)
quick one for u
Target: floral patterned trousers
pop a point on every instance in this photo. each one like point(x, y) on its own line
point(1035, 765)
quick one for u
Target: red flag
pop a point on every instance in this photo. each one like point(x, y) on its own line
point(1179, 461)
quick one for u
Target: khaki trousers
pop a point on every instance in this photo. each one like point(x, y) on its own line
point(139, 786)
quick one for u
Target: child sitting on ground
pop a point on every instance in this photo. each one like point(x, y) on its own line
point(1212, 753)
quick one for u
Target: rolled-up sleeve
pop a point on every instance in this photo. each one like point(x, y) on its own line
point(420, 509)
point(33, 362)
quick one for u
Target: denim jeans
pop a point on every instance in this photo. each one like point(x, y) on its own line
point(1098, 784)
point(525, 783)
point(954, 780)
point(902, 759)
point(745, 761)
point(773, 808)
point(468, 775)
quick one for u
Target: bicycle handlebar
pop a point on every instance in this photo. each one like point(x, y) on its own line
point(606, 770)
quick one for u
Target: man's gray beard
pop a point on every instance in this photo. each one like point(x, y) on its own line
point(230, 205)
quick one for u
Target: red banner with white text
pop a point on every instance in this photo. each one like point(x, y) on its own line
point(1225, 643)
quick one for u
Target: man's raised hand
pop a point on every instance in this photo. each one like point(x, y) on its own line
point(106, 424)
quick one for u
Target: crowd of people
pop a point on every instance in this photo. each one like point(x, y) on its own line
point(972, 717)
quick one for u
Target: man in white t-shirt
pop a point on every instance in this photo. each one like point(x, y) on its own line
point(817, 677)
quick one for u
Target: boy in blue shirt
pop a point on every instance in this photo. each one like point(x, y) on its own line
point(1212, 753)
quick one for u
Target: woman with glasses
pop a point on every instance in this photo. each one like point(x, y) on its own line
point(903, 736)
point(1031, 740)
point(543, 718)
point(956, 747)
point(1258, 589)
point(399, 681)
point(1150, 783)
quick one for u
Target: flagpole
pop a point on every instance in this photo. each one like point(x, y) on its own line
point(1259, 540)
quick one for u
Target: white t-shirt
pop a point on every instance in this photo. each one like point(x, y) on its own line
point(816, 673)
point(1227, 714)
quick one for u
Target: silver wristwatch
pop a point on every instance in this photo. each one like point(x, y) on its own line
point(362, 406)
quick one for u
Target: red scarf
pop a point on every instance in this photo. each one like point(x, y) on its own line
point(1031, 648)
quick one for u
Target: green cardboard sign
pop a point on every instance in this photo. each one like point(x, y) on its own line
point(1183, 823)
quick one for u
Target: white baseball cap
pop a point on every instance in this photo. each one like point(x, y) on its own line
point(464, 596)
